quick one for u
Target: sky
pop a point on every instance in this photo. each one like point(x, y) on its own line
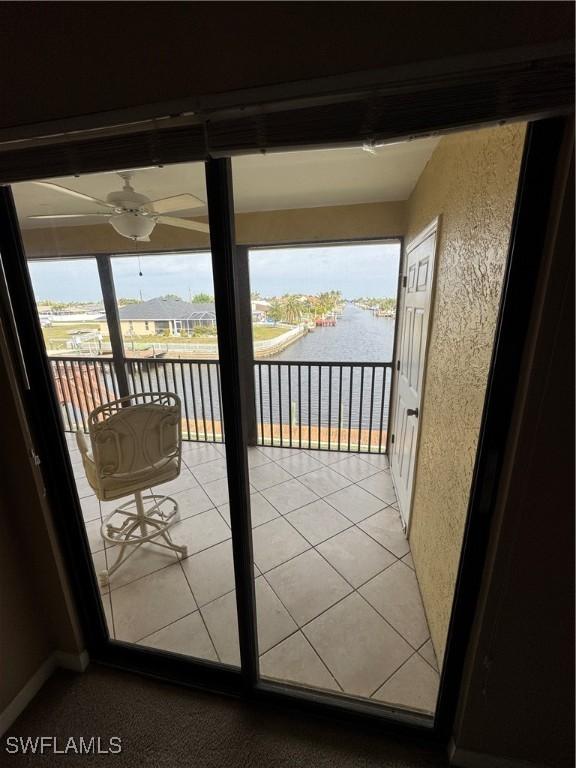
point(356, 270)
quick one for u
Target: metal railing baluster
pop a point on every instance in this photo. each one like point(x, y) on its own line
point(319, 405)
point(57, 375)
point(201, 384)
point(299, 406)
point(373, 369)
point(351, 379)
point(309, 406)
point(261, 399)
point(340, 408)
point(220, 418)
point(290, 415)
point(193, 392)
point(279, 379)
point(208, 367)
point(86, 382)
point(270, 412)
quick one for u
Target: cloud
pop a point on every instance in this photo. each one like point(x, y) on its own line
point(356, 270)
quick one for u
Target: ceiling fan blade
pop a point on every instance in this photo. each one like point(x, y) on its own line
point(69, 215)
point(72, 193)
point(175, 203)
point(173, 221)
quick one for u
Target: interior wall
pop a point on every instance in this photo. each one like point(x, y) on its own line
point(37, 615)
point(518, 688)
point(307, 225)
point(470, 181)
point(24, 639)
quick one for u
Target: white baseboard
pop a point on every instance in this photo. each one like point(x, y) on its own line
point(464, 758)
point(74, 662)
point(77, 662)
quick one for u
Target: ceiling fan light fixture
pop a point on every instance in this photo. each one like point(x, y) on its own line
point(133, 225)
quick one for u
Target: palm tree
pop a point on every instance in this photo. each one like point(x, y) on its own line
point(292, 307)
point(276, 311)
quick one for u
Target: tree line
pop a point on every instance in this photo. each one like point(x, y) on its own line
point(293, 309)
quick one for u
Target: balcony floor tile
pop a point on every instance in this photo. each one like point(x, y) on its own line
point(261, 510)
point(355, 503)
point(275, 543)
point(151, 603)
point(380, 485)
point(210, 573)
point(188, 636)
point(296, 661)
point(338, 606)
point(307, 585)
point(324, 481)
point(318, 521)
point(356, 556)
point(267, 475)
point(414, 685)
point(299, 464)
point(358, 646)
point(289, 495)
point(354, 469)
point(395, 594)
point(385, 527)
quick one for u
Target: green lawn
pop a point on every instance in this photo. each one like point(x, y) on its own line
point(56, 336)
point(63, 330)
point(265, 332)
point(260, 333)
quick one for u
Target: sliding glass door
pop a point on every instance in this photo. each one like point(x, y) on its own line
point(334, 564)
point(280, 354)
point(121, 270)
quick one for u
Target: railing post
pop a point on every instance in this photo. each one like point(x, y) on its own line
point(246, 350)
point(113, 320)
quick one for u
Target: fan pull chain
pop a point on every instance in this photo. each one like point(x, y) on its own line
point(139, 267)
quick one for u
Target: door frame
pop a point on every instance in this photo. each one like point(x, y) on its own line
point(434, 226)
point(533, 207)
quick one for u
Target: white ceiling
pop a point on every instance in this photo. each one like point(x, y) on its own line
point(262, 182)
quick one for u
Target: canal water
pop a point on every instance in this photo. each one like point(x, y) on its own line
point(358, 336)
point(316, 385)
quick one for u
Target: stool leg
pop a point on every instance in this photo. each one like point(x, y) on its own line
point(140, 512)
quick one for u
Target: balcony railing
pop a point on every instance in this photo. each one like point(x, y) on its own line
point(313, 405)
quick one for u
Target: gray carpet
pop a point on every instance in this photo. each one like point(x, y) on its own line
point(164, 725)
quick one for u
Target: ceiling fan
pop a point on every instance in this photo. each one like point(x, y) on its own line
point(131, 214)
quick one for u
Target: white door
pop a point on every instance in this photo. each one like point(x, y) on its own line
point(414, 318)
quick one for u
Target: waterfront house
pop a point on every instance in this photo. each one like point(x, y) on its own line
point(260, 309)
point(160, 315)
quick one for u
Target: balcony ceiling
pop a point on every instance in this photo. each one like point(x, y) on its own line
point(280, 181)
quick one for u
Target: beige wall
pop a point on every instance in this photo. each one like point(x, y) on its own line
point(37, 615)
point(311, 225)
point(24, 638)
point(306, 225)
point(517, 696)
point(471, 181)
point(137, 327)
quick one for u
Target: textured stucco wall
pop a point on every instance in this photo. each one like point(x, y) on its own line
point(471, 181)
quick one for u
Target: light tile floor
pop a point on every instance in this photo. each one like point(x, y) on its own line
point(338, 602)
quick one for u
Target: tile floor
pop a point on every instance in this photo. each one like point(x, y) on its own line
point(338, 602)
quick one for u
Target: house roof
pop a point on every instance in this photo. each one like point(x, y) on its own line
point(167, 309)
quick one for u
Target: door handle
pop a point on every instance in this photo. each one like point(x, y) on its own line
point(412, 412)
